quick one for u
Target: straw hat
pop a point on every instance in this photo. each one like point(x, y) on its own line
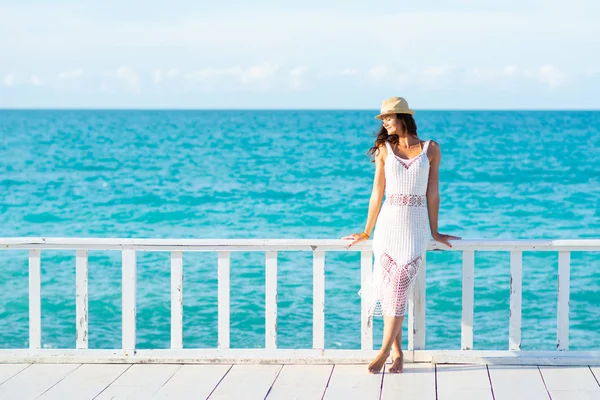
point(394, 105)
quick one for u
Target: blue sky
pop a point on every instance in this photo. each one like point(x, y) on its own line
point(455, 54)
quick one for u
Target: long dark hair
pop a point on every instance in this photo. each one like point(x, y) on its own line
point(407, 123)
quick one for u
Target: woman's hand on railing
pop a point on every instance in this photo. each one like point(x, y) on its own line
point(440, 237)
point(355, 237)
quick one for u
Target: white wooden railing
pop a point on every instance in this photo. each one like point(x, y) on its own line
point(416, 311)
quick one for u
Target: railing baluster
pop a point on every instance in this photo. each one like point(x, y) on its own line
point(416, 310)
point(366, 284)
point(318, 299)
point(35, 301)
point(176, 300)
point(271, 300)
point(468, 291)
point(81, 298)
point(516, 279)
point(564, 279)
point(128, 310)
point(224, 264)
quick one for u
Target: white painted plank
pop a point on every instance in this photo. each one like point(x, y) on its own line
point(468, 293)
point(416, 310)
point(564, 279)
point(129, 288)
point(224, 267)
point(81, 298)
point(596, 373)
point(575, 395)
point(271, 300)
point(366, 284)
point(513, 382)
point(318, 299)
point(353, 382)
point(516, 279)
point(141, 381)
point(569, 383)
point(35, 300)
point(569, 379)
point(468, 382)
point(8, 371)
point(35, 380)
point(416, 382)
point(193, 382)
point(86, 382)
point(246, 382)
point(301, 382)
point(176, 300)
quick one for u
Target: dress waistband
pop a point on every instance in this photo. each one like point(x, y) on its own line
point(399, 199)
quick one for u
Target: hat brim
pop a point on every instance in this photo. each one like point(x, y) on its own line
point(410, 112)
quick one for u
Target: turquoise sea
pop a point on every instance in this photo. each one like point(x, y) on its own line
point(289, 174)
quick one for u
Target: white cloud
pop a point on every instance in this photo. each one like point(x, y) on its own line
point(436, 71)
point(104, 88)
point(9, 80)
point(71, 74)
point(257, 75)
point(161, 76)
point(483, 75)
point(546, 74)
point(434, 76)
point(348, 72)
point(550, 75)
point(510, 70)
point(35, 80)
point(379, 73)
point(296, 75)
point(129, 77)
point(427, 76)
point(210, 73)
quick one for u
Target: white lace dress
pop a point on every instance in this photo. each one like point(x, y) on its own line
point(401, 232)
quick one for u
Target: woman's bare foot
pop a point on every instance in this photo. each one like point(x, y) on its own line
point(379, 361)
point(398, 364)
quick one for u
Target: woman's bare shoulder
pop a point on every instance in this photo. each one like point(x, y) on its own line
point(381, 153)
point(434, 145)
point(433, 151)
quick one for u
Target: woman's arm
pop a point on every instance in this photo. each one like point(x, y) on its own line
point(376, 197)
point(377, 192)
point(433, 195)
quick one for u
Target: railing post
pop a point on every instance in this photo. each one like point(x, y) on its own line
point(35, 301)
point(176, 300)
point(366, 284)
point(128, 310)
point(564, 279)
point(81, 298)
point(318, 299)
point(416, 310)
point(223, 298)
point(516, 278)
point(271, 300)
point(468, 292)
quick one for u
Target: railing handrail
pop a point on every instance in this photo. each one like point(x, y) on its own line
point(284, 244)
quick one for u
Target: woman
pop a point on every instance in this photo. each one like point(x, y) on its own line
point(406, 169)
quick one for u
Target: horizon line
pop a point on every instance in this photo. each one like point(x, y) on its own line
point(275, 109)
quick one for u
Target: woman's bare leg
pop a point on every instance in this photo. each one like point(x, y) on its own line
point(391, 327)
point(397, 355)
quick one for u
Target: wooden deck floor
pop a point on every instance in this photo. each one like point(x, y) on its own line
point(175, 381)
